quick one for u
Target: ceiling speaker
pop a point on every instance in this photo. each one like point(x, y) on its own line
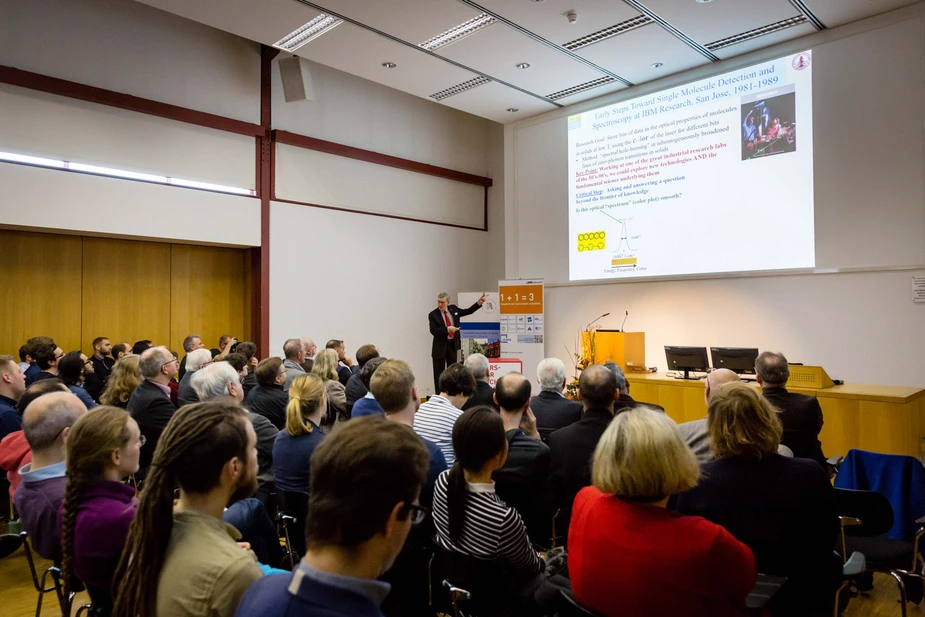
point(297, 79)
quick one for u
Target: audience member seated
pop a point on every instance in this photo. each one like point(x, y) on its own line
point(695, 433)
point(103, 447)
point(800, 414)
point(31, 345)
point(268, 398)
point(190, 344)
point(46, 357)
point(782, 508)
point(239, 363)
point(226, 343)
point(472, 521)
point(624, 400)
point(294, 446)
point(294, 354)
point(521, 481)
point(119, 351)
point(72, 370)
point(484, 394)
point(102, 363)
point(195, 360)
point(46, 424)
point(310, 350)
point(345, 366)
point(354, 390)
point(629, 554)
point(150, 404)
point(25, 360)
point(365, 481)
point(123, 380)
point(367, 404)
point(141, 346)
point(12, 386)
point(551, 408)
point(326, 368)
point(571, 448)
point(435, 419)
point(249, 351)
point(219, 380)
point(185, 560)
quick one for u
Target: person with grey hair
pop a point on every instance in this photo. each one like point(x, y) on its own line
point(150, 404)
point(195, 360)
point(624, 401)
point(800, 414)
point(444, 327)
point(551, 408)
point(190, 343)
point(293, 356)
point(484, 394)
point(45, 424)
point(310, 350)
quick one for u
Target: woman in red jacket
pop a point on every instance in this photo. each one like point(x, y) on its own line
point(628, 554)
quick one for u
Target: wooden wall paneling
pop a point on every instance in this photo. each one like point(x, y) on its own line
point(126, 291)
point(644, 392)
point(208, 294)
point(40, 283)
point(841, 425)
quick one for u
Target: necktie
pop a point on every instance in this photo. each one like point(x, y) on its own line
point(446, 317)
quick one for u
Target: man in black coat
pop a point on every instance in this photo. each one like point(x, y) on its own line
point(484, 394)
point(800, 415)
point(150, 404)
point(572, 447)
point(552, 410)
point(268, 399)
point(355, 390)
point(444, 326)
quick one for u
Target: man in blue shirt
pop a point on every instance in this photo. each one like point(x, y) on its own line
point(12, 385)
point(34, 371)
point(367, 405)
point(365, 480)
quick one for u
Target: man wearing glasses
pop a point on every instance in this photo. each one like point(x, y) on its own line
point(46, 357)
point(150, 404)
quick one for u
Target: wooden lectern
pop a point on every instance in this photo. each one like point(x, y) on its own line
point(626, 349)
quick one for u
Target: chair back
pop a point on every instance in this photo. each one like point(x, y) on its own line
point(571, 607)
point(545, 433)
point(487, 582)
point(871, 508)
point(293, 505)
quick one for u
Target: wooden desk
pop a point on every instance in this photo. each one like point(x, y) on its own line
point(888, 419)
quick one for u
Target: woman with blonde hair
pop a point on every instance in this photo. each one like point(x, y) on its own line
point(123, 380)
point(629, 554)
point(782, 508)
point(103, 446)
point(294, 445)
point(325, 367)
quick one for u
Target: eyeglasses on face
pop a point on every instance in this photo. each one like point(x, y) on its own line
point(418, 514)
point(141, 440)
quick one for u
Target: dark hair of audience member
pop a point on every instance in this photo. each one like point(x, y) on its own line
point(70, 368)
point(456, 380)
point(366, 373)
point(35, 341)
point(237, 361)
point(366, 353)
point(359, 473)
point(44, 355)
point(98, 340)
point(267, 371)
point(478, 436)
point(140, 346)
point(512, 393)
point(90, 444)
point(194, 448)
point(333, 344)
point(39, 388)
point(247, 349)
point(118, 348)
point(23, 352)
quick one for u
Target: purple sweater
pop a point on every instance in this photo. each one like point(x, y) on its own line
point(104, 514)
point(37, 501)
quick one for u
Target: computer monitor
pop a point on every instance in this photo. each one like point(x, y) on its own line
point(687, 359)
point(740, 360)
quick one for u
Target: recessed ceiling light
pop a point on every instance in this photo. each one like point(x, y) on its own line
point(512, 109)
point(310, 31)
point(537, 0)
point(462, 30)
point(389, 65)
point(658, 65)
point(702, 1)
point(523, 65)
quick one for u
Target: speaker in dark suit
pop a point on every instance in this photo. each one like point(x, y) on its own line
point(444, 326)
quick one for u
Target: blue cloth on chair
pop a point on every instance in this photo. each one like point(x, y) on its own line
point(901, 479)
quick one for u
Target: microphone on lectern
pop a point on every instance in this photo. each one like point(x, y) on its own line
point(624, 322)
point(598, 319)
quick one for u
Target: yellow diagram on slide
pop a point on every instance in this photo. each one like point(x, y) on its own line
point(592, 241)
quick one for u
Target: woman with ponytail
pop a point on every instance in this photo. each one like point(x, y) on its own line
point(295, 444)
point(103, 447)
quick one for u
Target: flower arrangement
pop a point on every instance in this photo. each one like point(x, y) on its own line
point(582, 358)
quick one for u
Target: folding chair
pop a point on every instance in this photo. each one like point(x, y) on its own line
point(42, 586)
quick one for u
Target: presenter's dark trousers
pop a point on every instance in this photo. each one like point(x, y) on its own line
point(440, 365)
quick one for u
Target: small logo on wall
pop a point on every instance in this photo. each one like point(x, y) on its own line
point(801, 61)
point(490, 306)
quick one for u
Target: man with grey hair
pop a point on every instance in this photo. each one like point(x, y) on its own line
point(190, 343)
point(46, 423)
point(624, 401)
point(484, 394)
point(310, 350)
point(551, 408)
point(294, 354)
point(444, 327)
point(197, 359)
point(150, 404)
point(800, 414)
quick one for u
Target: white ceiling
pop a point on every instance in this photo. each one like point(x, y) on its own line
point(678, 34)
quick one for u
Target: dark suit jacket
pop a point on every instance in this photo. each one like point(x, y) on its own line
point(249, 382)
point(355, 390)
point(152, 410)
point(801, 416)
point(270, 403)
point(521, 483)
point(187, 395)
point(626, 402)
point(483, 395)
point(570, 452)
point(553, 411)
point(439, 331)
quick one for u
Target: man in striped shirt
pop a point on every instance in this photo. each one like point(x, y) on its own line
point(435, 419)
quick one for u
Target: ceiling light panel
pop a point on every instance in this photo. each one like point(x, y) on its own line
point(608, 32)
point(757, 32)
point(492, 100)
point(469, 84)
point(457, 33)
point(767, 40)
point(308, 32)
point(546, 19)
point(845, 11)
point(590, 85)
point(592, 93)
point(713, 21)
point(414, 21)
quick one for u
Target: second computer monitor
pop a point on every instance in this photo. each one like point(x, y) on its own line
point(740, 360)
point(687, 359)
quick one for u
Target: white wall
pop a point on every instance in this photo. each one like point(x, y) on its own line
point(870, 215)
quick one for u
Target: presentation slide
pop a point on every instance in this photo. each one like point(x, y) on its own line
point(713, 176)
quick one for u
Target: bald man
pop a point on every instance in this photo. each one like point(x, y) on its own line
point(46, 423)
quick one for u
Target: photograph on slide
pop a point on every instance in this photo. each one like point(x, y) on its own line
point(768, 125)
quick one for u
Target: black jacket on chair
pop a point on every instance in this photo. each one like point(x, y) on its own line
point(355, 390)
point(553, 411)
point(483, 395)
point(439, 331)
point(801, 417)
point(269, 402)
point(152, 409)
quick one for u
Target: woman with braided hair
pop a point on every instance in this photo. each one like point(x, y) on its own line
point(184, 561)
point(103, 447)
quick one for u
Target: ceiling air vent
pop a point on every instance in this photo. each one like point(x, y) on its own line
point(561, 94)
point(454, 90)
point(606, 33)
point(755, 33)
